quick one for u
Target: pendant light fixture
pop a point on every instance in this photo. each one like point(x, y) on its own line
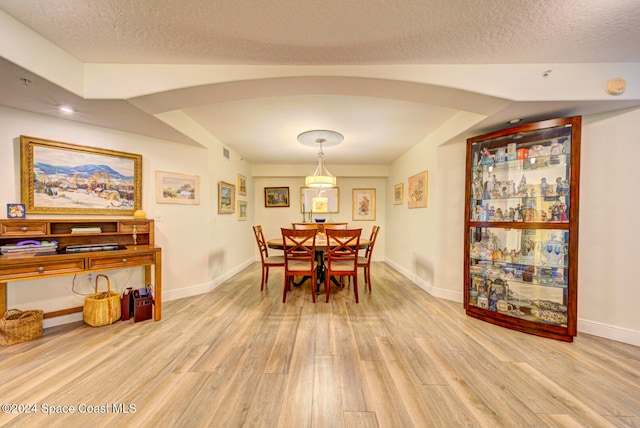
point(321, 177)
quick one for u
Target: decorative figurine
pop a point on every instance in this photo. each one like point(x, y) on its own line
point(490, 185)
point(543, 187)
point(559, 187)
point(522, 187)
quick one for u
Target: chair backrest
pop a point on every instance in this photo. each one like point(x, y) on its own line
point(299, 246)
point(304, 226)
point(339, 226)
point(372, 241)
point(262, 243)
point(343, 246)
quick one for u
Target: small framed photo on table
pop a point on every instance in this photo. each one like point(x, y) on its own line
point(16, 211)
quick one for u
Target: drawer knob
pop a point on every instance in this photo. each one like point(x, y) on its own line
point(124, 260)
point(40, 269)
point(24, 228)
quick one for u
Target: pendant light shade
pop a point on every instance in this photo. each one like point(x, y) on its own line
point(321, 176)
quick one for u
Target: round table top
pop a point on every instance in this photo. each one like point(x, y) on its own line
point(321, 242)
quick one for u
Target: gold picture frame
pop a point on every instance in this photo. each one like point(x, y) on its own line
point(63, 178)
point(226, 198)
point(418, 190)
point(242, 210)
point(242, 185)
point(363, 204)
point(276, 197)
point(398, 194)
point(174, 188)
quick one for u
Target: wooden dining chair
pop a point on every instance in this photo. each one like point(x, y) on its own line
point(266, 260)
point(339, 226)
point(299, 258)
point(342, 256)
point(365, 262)
point(304, 226)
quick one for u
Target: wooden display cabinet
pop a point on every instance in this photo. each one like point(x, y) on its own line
point(131, 244)
point(521, 227)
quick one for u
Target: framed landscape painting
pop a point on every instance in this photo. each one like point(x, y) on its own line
point(364, 204)
point(173, 188)
point(276, 197)
point(226, 198)
point(63, 178)
point(242, 185)
point(242, 210)
point(418, 188)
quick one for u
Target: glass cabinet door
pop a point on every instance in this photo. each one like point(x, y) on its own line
point(521, 223)
point(520, 273)
point(522, 177)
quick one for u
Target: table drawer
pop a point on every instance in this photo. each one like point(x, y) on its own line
point(36, 269)
point(122, 261)
point(141, 227)
point(16, 228)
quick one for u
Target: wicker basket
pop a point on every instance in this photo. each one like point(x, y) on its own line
point(101, 308)
point(17, 326)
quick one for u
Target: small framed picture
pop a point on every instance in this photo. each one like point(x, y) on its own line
point(418, 188)
point(226, 198)
point(242, 210)
point(242, 185)
point(398, 194)
point(174, 188)
point(364, 204)
point(16, 210)
point(276, 197)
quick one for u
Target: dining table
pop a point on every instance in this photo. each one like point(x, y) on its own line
point(321, 248)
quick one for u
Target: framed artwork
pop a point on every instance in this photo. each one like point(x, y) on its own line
point(418, 188)
point(173, 188)
point(226, 198)
point(242, 185)
point(62, 178)
point(242, 210)
point(363, 204)
point(276, 197)
point(398, 194)
point(16, 211)
point(319, 200)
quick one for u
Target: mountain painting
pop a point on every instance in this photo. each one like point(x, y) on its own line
point(63, 178)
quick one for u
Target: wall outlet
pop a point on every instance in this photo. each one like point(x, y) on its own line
point(90, 277)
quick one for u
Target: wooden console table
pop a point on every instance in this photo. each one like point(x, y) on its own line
point(135, 249)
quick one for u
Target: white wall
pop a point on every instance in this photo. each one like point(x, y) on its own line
point(608, 237)
point(200, 248)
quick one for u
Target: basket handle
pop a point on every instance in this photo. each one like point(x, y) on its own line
point(108, 283)
point(23, 314)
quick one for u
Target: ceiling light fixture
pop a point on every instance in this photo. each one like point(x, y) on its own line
point(321, 177)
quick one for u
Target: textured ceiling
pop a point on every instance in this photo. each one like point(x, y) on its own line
point(378, 126)
point(337, 31)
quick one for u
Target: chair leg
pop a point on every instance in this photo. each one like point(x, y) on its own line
point(266, 275)
point(355, 286)
point(262, 280)
point(327, 282)
point(368, 276)
point(284, 291)
point(313, 287)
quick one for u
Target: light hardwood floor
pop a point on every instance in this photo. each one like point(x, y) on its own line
point(400, 358)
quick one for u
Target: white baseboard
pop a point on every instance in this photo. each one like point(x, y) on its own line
point(611, 332)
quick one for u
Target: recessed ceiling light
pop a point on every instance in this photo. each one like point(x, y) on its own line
point(66, 109)
point(516, 120)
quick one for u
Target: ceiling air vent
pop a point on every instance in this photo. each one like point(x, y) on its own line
point(225, 152)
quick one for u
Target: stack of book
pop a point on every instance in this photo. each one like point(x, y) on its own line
point(42, 247)
point(86, 229)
